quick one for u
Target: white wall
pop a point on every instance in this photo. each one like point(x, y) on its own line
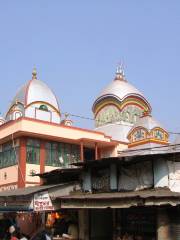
point(51, 115)
point(174, 176)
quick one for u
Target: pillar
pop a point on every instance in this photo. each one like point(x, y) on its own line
point(42, 158)
point(99, 153)
point(87, 180)
point(163, 225)
point(22, 163)
point(83, 217)
point(114, 224)
point(113, 177)
point(82, 151)
point(96, 151)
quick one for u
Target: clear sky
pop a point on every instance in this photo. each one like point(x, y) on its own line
point(76, 46)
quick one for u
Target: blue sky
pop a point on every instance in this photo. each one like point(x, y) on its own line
point(76, 46)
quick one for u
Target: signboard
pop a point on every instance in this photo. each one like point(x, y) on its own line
point(42, 202)
point(8, 187)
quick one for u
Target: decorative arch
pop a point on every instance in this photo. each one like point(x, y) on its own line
point(159, 134)
point(44, 103)
point(137, 134)
point(121, 103)
point(129, 110)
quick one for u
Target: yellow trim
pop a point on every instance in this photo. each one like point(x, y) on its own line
point(149, 140)
point(120, 105)
point(137, 128)
point(39, 102)
point(36, 102)
point(149, 133)
point(160, 129)
point(11, 108)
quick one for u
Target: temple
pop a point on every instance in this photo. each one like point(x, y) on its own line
point(35, 139)
point(120, 180)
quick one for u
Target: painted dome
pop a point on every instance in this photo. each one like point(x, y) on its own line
point(118, 107)
point(147, 130)
point(120, 89)
point(34, 100)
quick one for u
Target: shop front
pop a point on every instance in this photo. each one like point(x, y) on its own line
point(101, 224)
point(37, 208)
point(138, 223)
point(138, 215)
point(59, 223)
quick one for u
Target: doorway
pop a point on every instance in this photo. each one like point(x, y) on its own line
point(101, 224)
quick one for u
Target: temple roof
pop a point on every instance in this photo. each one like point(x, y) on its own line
point(35, 91)
point(120, 88)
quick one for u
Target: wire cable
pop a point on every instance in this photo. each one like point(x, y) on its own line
point(95, 120)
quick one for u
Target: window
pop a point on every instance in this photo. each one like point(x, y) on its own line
point(158, 134)
point(8, 155)
point(43, 108)
point(61, 154)
point(18, 115)
point(33, 151)
point(138, 135)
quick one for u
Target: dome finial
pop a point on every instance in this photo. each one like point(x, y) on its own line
point(34, 73)
point(120, 72)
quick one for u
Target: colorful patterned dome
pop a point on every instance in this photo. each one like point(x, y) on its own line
point(147, 130)
point(118, 107)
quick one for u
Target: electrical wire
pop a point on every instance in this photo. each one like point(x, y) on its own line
point(157, 148)
point(123, 124)
point(95, 120)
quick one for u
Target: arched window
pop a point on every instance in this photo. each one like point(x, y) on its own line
point(44, 108)
point(158, 134)
point(139, 135)
point(18, 115)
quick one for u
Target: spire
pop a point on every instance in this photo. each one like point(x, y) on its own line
point(120, 73)
point(34, 74)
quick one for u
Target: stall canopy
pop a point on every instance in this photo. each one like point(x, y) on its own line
point(22, 199)
point(148, 197)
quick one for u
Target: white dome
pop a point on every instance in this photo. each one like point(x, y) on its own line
point(35, 91)
point(117, 119)
point(34, 100)
point(120, 89)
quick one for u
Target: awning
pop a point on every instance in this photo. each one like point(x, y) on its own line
point(21, 199)
point(23, 192)
point(149, 197)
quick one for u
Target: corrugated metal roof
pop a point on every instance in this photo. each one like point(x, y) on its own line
point(126, 158)
point(20, 192)
point(149, 193)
